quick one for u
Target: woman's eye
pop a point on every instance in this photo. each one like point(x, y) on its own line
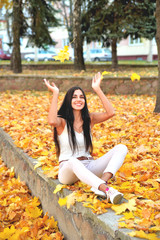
point(82, 97)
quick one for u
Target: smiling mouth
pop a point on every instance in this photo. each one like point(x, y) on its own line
point(78, 104)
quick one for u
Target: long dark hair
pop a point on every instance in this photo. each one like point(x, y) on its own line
point(66, 112)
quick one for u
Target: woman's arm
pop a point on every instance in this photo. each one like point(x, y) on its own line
point(53, 119)
point(109, 110)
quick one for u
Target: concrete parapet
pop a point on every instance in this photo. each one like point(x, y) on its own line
point(77, 222)
point(110, 85)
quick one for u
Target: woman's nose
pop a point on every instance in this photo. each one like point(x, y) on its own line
point(78, 98)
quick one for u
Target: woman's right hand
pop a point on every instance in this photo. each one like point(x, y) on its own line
point(52, 87)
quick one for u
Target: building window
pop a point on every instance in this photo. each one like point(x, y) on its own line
point(138, 41)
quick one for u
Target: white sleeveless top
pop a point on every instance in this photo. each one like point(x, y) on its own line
point(65, 149)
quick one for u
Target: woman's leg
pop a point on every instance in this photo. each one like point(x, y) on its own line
point(106, 166)
point(73, 170)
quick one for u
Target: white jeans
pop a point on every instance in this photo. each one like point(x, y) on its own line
point(91, 171)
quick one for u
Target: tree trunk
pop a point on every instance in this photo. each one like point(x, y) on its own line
point(157, 107)
point(114, 53)
point(78, 48)
point(16, 55)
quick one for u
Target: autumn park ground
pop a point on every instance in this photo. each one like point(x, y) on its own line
point(23, 115)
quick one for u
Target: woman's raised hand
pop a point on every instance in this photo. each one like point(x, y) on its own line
point(96, 81)
point(52, 87)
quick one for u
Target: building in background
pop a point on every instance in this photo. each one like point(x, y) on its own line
point(138, 49)
point(3, 36)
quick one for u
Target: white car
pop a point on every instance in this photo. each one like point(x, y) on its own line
point(42, 56)
point(99, 54)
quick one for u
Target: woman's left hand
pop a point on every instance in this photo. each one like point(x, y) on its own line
point(96, 81)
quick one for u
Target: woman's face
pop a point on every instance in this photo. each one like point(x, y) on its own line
point(78, 100)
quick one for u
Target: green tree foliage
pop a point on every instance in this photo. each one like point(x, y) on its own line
point(111, 21)
point(31, 18)
point(41, 16)
point(141, 19)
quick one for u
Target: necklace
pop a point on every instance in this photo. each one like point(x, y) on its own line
point(78, 129)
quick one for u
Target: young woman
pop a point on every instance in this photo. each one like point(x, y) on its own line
point(72, 134)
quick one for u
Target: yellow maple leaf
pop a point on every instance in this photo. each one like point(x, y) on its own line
point(127, 215)
point(57, 236)
point(35, 202)
point(46, 237)
point(122, 225)
point(19, 233)
point(52, 172)
point(154, 229)
point(58, 188)
point(44, 153)
point(34, 212)
point(68, 200)
point(125, 206)
point(7, 232)
point(71, 199)
point(62, 201)
point(134, 77)
point(63, 54)
point(39, 164)
point(89, 205)
point(105, 73)
point(142, 234)
point(51, 223)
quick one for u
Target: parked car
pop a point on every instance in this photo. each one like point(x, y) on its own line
point(42, 56)
point(99, 54)
point(4, 55)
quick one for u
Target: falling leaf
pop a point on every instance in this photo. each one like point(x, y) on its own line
point(63, 54)
point(134, 77)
